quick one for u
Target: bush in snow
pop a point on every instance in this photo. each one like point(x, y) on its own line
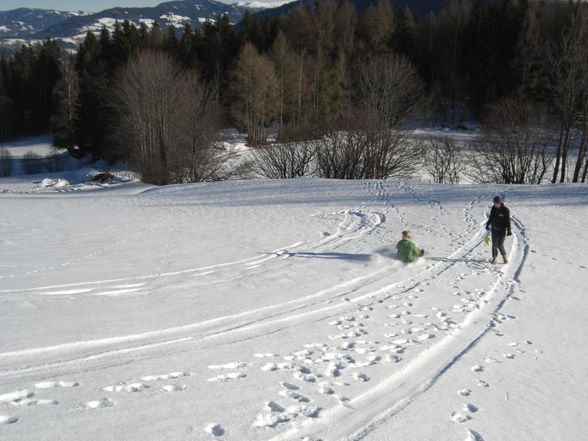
point(366, 149)
point(102, 177)
point(5, 162)
point(283, 161)
point(515, 147)
point(443, 160)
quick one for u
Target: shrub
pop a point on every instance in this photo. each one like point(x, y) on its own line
point(102, 177)
point(284, 161)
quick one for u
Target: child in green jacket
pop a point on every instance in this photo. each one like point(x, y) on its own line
point(407, 251)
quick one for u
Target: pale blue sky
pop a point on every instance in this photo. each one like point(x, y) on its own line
point(83, 5)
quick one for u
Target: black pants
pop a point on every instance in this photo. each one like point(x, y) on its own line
point(498, 243)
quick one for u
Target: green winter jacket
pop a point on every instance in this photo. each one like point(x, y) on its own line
point(407, 251)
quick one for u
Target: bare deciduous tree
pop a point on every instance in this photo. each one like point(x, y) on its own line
point(283, 161)
point(443, 160)
point(569, 68)
point(366, 149)
point(255, 88)
point(166, 123)
point(582, 158)
point(515, 146)
point(390, 87)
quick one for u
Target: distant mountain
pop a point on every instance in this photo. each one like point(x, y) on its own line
point(176, 13)
point(37, 24)
point(24, 22)
point(24, 25)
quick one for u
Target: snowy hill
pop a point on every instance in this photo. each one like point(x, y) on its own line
point(276, 310)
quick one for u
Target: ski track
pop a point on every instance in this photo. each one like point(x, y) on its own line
point(348, 418)
point(355, 223)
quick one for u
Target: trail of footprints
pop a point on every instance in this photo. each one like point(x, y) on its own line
point(468, 408)
point(383, 330)
point(28, 398)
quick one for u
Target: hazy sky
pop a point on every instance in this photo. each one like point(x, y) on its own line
point(83, 5)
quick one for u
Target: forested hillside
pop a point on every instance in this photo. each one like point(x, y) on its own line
point(156, 97)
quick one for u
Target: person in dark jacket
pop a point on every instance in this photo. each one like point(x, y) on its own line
point(499, 226)
point(406, 250)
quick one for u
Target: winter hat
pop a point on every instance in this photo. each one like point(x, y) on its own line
point(497, 200)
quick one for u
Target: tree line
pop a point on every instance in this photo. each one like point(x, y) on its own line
point(328, 73)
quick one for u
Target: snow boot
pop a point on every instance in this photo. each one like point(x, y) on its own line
point(494, 260)
point(505, 258)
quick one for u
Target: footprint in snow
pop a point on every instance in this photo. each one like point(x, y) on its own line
point(393, 358)
point(4, 419)
point(464, 392)
point(482, 383)
point(266, 355)
point(171, 376)
point(294, 396)
point(470, 408)
point(473, 436)
point(214, 429)
point(55, 384)
point(270, 419)
point(360, 377)
point(16, 397)
point(99, 404)
point(131, 388)
point(273, 415)
point(24, 398)
point(458, 417)
point(230, 366)
point(326, 389)
point(289, 386)
point(227, 377)
point(174, 387)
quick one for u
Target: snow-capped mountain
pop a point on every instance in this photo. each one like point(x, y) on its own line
point(37, 24)
point(23, 22)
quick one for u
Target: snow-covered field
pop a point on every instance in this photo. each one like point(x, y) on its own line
point(275, 310)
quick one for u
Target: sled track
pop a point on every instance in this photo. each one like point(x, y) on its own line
point(381, 402)
point(320, 305)
point(354, 224)
point(375, 404)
